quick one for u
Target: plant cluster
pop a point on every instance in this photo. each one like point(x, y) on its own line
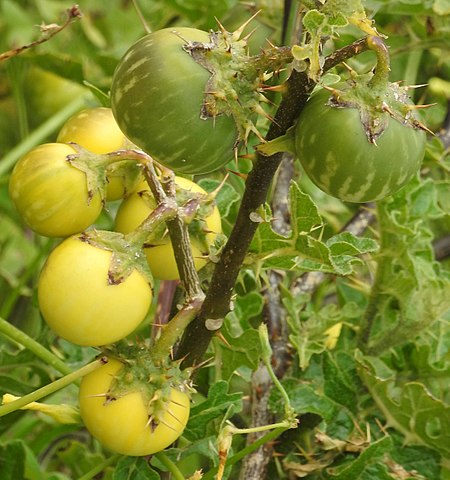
point(231, 239)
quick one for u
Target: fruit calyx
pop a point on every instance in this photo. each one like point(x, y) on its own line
point(153, 380)
point(377, 99)
point(126, 256)
point(235, 87)
point(193, 207)
point(98, 166)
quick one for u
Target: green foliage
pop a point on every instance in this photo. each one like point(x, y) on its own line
point(134, 468)
point(219, 405)
point(364, 313)
point(304, 250)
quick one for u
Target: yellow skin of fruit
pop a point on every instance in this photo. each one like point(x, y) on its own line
point(96, 130)
point(50, 194)
point(134, 210)
point(77, 302)
point(121, 425)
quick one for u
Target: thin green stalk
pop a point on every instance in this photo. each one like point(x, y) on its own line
point(266, 355)
point(372, 307)
point(52, 387)
point(174, 329)
point(40, 134)
point(14, 334)
point(100, 467)
point(272, 435)
point(171, 466)
point(380, 79)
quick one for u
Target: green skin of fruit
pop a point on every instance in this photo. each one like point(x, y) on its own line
point(156, 97)
point(51, 195)
point(333, 149)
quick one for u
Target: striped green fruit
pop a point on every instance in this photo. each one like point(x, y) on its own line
point(157, 95)
point(333, 148)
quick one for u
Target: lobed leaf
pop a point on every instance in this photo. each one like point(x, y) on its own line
point(219, 402)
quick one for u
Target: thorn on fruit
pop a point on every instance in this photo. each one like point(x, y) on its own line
point(169, 411)
point(331, 89)
point(247, 37)
point(386, 108)
point(428, 105)
point(411, 87)
point(178, 403)
point(238, 32)
point(424, 127)
point(222, 28)
point(275, 88)
point(248, 156)
point(167, 425)
point(151, 423)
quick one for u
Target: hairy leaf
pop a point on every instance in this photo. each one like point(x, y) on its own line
point(410, 408)
point(218, 403)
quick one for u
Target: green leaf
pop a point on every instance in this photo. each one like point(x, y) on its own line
point(12, 460)
point(205, 447)
point(245, 308)
point(378, 471)
point(134, 468)
point(339, 373)
point(284, 143)
point(423, 460)
point(314, 20)
point(226, 196)
point(218, 403)
point(78, 458)
point(306, 399)
point(414, 292)
point(308, 330)
point(63, 66)
point(409, 408)
point(302, 250)
point(374, 452)
point(241, 351)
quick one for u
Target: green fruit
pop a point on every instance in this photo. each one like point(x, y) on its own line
point(333, 148)
point(157, 95)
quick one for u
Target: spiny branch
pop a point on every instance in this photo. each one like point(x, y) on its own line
point(48, 31)
point(217, 300)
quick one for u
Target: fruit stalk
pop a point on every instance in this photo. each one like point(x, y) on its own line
point(15, 335)
point(163, 192)
point(52, 387)
point(380, 80)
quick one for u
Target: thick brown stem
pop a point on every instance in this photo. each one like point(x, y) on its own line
point(217, 301)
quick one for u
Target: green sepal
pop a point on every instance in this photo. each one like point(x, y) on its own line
point(285, 143)
point(126, 256)
point(142, 373)
point(129, 171)
point(94, 167)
